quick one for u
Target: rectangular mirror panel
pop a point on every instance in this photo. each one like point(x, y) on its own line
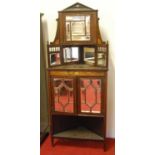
point(70, 54)
point(89, 55)
point(101, 59)
point(54, 58)
point(77, 28)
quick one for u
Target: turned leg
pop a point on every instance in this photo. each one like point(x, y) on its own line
point(104, 145)
point(52, 141)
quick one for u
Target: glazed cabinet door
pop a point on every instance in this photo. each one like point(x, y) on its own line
point(91, 95)
point(63, 98)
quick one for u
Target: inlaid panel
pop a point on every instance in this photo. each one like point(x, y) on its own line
point(90, 95)
point(63, 95)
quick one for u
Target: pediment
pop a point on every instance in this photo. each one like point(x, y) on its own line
point(78, 7)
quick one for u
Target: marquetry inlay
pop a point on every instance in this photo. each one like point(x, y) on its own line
point(76, 73)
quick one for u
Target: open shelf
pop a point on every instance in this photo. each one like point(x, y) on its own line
point(79, 133)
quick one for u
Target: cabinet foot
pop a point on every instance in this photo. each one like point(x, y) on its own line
point(104, 146)
point(52, 142)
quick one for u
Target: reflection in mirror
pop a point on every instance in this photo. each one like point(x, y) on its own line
point(75, 53)
point(90, 103)
point(68, 32)
point(71, 54)
point(101, 59)
point(67, 54)
point(77, 28)
point(88, 25)
point(63, 95)
point(54, 58)
point(89, 55)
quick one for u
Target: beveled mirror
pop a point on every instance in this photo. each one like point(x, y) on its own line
point(54, 59)
point(77, 28)
point(70, 54)
point(89, 55)
point(101, 59)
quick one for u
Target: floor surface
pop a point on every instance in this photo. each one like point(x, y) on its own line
point(76, 147)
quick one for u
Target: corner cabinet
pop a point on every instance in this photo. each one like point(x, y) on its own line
point(77, 76)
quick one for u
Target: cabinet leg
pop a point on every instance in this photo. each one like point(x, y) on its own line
point(104, 146)
point(52, 141)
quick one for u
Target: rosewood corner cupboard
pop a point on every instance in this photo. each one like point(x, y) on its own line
point(77, 76)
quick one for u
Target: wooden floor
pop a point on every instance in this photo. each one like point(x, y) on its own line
point(76, 147)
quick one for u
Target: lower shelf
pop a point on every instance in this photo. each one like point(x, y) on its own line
point(79, 133)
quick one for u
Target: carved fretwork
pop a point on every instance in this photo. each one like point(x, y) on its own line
point(63, 95)
point(90, 95)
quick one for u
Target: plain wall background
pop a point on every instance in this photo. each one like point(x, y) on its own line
point(106, 12)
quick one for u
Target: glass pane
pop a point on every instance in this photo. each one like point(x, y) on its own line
point(54, 58)
point(77, 28)
point(80, 38)
point(88, 25)
point(90, 99)
point(89, 55)
point(101, 59)
point(63, 95)
point(75, 53)
point(67, 54)
point(75, 18)
point(68, 32)
point(70, 54)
